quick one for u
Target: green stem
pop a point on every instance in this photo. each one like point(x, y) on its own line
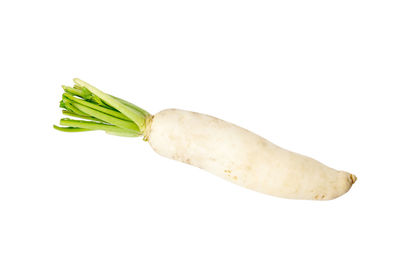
point(133, 114)
point(100, 111)
point(69, 106)
point(70, 129)
point(144, 112)
point(74, 91)
point(107, 118)
point(72, 114)
point(90, 125)
point(94, 106)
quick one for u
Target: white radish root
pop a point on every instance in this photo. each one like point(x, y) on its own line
point(243, 157)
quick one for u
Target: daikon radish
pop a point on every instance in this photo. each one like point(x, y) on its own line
point(209, 143)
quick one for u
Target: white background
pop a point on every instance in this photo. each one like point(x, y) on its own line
point(317, 77)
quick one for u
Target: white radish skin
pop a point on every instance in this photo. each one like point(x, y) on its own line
point(243, 157)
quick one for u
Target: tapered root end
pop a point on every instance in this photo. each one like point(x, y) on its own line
point(342, 184)
point(353, 178)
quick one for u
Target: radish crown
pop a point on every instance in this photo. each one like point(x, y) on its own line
point(100, 111)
